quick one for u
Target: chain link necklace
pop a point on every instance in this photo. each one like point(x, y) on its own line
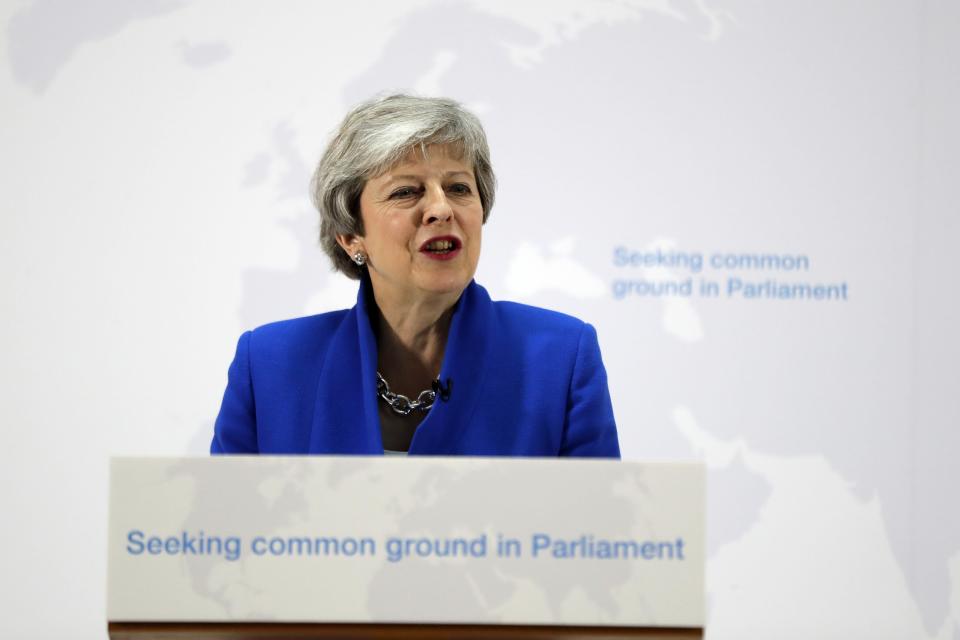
point(401, 404)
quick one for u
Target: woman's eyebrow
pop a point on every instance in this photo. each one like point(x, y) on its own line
point(448, 174)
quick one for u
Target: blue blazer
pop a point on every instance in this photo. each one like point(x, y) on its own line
point(525, 382)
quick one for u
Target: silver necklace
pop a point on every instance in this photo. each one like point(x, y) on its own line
point(400, 403)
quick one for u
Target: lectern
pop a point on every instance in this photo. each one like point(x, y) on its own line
point(373, 547)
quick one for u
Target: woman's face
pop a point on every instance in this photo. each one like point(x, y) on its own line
point(422, 223)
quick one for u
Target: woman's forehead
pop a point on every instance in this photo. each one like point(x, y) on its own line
point(446, 157)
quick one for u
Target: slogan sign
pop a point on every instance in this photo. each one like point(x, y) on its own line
point(406, 540)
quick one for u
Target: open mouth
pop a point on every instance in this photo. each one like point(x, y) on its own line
point(441, 247)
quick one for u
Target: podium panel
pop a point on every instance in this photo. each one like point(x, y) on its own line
point(357, 547)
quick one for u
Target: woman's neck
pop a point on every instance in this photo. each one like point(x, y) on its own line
point(411, 339)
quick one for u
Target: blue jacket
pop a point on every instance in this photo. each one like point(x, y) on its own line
point(525, 382)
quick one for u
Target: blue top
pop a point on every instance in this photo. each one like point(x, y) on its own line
point(525, 382)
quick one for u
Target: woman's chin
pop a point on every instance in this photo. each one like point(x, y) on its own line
point(445, 283)
point(446, 288)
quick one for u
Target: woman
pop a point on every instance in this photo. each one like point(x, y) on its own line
point(403, 190)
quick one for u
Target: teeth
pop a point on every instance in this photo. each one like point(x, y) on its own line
point(440, 245)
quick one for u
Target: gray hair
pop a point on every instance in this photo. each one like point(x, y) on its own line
point(375, 136)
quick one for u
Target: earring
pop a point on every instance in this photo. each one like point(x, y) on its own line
point(359, 258)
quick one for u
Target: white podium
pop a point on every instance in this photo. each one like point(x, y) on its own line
point(353, 547)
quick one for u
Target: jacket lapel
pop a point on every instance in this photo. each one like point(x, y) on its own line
point(345, 418)
point(467, 349)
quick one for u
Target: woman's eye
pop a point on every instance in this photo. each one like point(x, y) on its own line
point(460, 188)
point(403, 192)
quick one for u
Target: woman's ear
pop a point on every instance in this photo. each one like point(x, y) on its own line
point(351, 243)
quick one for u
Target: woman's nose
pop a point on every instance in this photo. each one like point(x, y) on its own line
point(436, 206)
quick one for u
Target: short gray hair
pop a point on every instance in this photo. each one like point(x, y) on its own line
point(375, 136)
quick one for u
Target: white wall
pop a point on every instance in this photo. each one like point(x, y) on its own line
point(154, 157)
